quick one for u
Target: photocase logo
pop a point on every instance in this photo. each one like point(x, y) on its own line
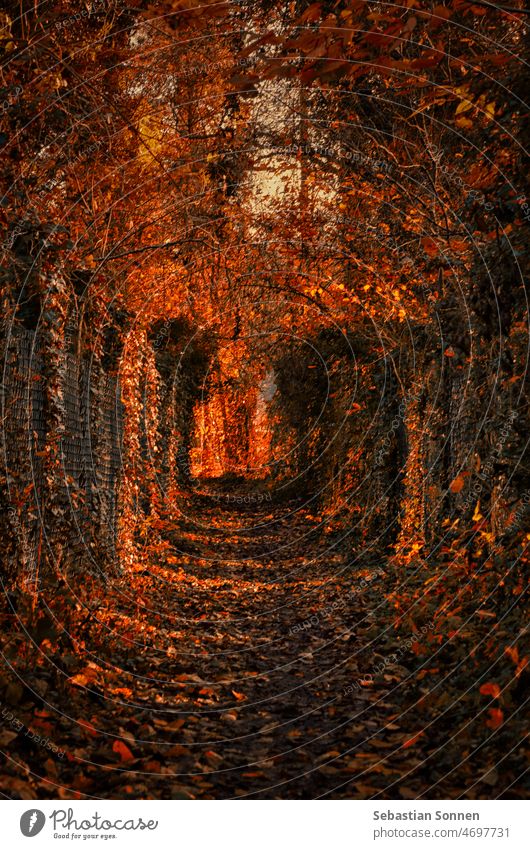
point(32, 822)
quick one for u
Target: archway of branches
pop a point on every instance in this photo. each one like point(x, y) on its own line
point(264, 344)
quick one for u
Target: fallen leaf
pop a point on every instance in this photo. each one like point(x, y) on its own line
point(458, 483)
point(491, 690)
point(88, 728)
point(230, 715)
point(410, 742)
point(496, 718)
point(239, 696)
point(122, 750)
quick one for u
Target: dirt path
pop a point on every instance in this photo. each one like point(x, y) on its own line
point(236, 666)
point(260, 603)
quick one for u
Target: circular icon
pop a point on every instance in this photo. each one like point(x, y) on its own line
point(32, 822)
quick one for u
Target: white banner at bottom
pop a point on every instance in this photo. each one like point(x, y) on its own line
point(267, 824)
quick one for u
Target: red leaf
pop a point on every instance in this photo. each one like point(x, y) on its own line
point(412, 740)
point(491, 690)
point(458, 483)
point(496, 718)
point(122, 750)
point(239, 696)
point(88, 728)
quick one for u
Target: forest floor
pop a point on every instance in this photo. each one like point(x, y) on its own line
point(256, 657)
